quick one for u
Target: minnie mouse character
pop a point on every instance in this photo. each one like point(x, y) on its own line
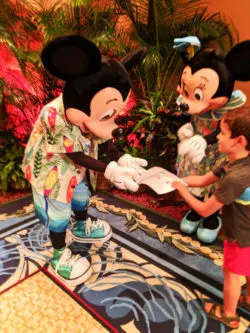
point(205, 93)
point(64, 143)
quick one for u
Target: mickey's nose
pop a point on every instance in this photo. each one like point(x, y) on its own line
point(119, 133)
point(184, 107)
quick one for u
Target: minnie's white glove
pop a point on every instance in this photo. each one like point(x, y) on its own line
point(185, 131)
point(194, 148)
point(133, 162)
point(121, 177)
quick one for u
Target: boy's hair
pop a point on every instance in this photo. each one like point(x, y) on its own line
point(238, 121)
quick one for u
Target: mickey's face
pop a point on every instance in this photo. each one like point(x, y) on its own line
point(197, 91)
point(104, 107)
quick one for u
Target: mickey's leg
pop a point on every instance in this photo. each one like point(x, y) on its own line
point(70, 269)
point(85, 229)
point(209, 228)
point(191, 221)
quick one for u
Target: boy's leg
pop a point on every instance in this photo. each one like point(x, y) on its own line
point(87, 230)
point(55, 215)
point(248, 290)
point(231, 291)
point(227, 313)
point(231, 295)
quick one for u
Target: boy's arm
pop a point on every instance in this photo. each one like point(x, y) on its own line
point(202, 208)
point(200, 181)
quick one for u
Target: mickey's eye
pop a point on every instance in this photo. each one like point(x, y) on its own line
point(198, 94)
point(107, 115)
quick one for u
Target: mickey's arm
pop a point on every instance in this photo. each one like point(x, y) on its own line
point(120, 173)
point(121, 177)
point(114, 154)
point(194, 146)
point(87, 162)
point(90, 163)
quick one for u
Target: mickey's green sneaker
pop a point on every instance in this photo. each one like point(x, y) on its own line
point(71, 269)
point(91, 231)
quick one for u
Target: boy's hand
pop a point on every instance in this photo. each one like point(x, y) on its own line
point(179, 185)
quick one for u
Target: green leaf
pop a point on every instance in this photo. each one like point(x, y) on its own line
point(134, 227)
point(64, 167)
point(182, 247)
point(161, 236)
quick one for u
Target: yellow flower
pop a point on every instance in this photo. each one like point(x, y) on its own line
point(218, 262)
point(186, 239)
point(152, 226)
point(177, 236)
point(195, 244)
point(214, 256)
point(205, 250)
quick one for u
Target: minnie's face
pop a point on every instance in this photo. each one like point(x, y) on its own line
point(196, 91)
point(104, 107)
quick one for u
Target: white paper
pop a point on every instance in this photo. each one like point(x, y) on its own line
point(158, 179)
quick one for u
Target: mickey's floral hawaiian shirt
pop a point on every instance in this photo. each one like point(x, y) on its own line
point(45, 164)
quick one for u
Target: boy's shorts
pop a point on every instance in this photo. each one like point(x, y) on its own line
point(236, 258)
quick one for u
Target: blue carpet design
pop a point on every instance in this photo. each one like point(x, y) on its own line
point(138, 285)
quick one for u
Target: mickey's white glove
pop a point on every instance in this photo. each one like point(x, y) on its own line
point(185, 131)
point(194, 148)
point(121, 177)
point(133, 162)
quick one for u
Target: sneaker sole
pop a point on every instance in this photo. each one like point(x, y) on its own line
point(73, 282)
point(91, 240)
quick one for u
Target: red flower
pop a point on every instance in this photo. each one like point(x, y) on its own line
point(134, 141)
point(28, 173)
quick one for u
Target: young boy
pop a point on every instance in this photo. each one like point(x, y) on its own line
point(233, 196)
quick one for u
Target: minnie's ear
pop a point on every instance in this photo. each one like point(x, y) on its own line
point(68, 57)
point(238, 61)
point(133, 58)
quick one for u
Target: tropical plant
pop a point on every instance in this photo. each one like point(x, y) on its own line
point(147, 131)
point(155, 24)
point(11, 155)
point(24, 29)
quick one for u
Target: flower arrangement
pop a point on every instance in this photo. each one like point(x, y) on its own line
point(147, 129)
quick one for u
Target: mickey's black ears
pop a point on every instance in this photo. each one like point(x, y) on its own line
point(68, 57)
point(238, 60)
point(133, 58)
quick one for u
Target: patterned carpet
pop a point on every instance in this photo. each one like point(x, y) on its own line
point(148, 279)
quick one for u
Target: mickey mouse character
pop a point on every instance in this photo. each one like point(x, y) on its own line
point(64, 143)
point(205, 93)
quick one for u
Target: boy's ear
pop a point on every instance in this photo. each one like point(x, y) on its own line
point(242, 140)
